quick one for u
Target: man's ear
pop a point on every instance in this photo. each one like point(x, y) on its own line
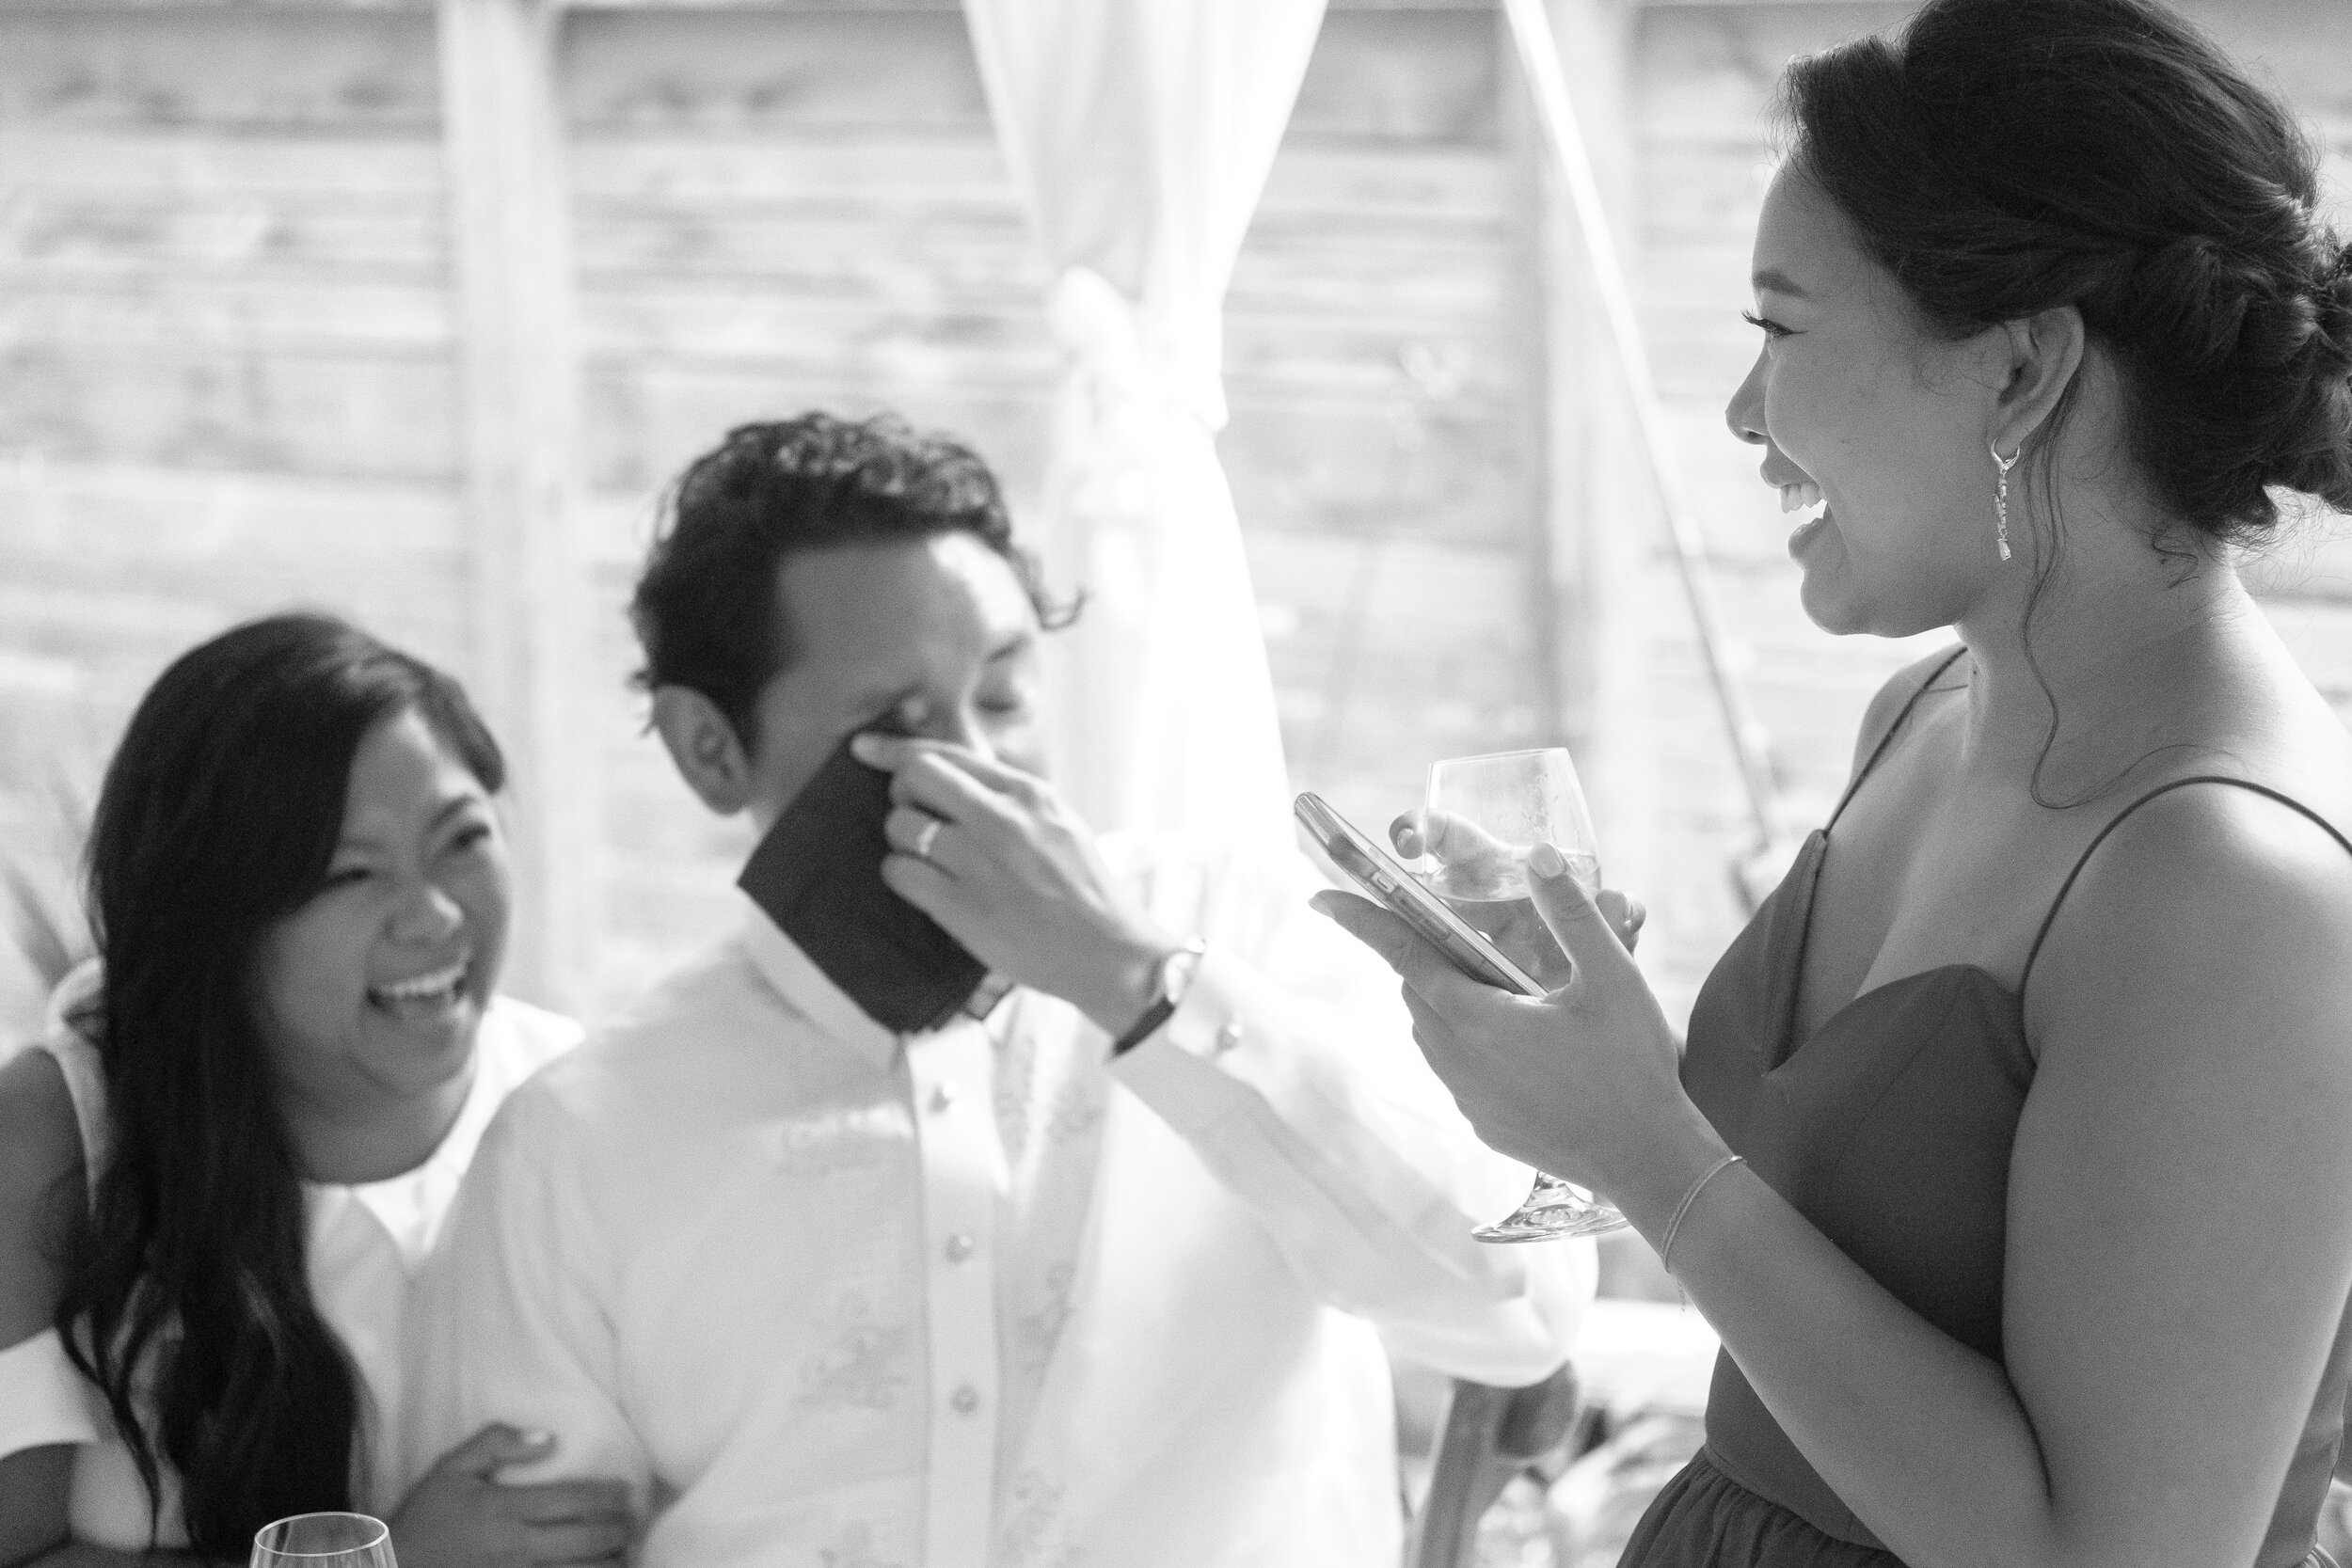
point(2045, 355)
point(709, 753)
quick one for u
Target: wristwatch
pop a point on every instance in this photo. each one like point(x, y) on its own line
point(1167, 993)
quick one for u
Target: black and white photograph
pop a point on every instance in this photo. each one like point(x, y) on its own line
point(1175, 784)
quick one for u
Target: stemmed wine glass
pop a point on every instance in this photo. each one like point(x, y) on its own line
point(324, 1541)
point(1483, 816)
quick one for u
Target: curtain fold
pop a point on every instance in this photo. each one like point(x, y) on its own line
point(1139, 133)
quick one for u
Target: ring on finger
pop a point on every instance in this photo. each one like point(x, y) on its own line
point(926, 835)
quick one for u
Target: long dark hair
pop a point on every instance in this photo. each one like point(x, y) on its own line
point(187, 1301)
point(2005, 157)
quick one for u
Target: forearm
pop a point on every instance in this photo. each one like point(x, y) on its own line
point(1372, 1201)
point(1922, 1437)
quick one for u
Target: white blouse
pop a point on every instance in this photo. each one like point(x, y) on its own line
point(367, 1242)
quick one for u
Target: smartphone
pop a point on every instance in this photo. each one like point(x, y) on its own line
point(1386, 881)
point(818, 874)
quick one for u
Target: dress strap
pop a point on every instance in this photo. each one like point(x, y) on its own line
point(1893, 730)
point(2068, 886)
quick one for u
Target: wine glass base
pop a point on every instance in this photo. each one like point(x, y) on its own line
point(1552, 1224)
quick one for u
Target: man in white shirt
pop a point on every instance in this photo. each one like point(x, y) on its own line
point(1092, 1281)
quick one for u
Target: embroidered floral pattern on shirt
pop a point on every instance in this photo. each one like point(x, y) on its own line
point(865, 1366)
point(840, 1138)
point(1015, 1078)
point(1041, 1330)
point(1045, 1090)
point(1031, 1535)
point(853, 1548)
point(1077, 1112)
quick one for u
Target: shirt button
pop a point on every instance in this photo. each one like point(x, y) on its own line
point(1229, 1037)
point(965, 1399)
point(960, 1247)
point(943, 1097)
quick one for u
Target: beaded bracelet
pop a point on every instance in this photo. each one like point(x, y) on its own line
point(1690, 1198)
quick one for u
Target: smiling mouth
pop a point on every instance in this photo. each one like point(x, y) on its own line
point(424, 996)
point(1804, 498)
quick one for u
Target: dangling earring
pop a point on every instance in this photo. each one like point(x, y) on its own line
point(2000, 496)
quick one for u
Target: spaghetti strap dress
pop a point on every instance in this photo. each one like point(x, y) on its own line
point(1889, 1129)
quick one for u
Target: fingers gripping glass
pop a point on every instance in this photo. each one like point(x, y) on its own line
point(1554, 1207)
point(324, 1541)
point(1483, 816)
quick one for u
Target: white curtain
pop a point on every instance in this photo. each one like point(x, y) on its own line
point(1139, 133)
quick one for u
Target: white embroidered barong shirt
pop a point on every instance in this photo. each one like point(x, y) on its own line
point(829, 1297)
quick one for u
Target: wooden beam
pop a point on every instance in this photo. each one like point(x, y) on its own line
point(1592, 514)
point(1552, 570)
point(519, 367)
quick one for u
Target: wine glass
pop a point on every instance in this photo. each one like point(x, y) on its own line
point(324, 1541)
point(1483, 816)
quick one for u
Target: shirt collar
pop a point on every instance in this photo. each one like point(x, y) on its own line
point(805, 988)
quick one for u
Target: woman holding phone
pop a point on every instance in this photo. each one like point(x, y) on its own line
point(235, 1145)
point(2006, 1152)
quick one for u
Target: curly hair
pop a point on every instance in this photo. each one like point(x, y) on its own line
point(2005, 157)
point(706, 608)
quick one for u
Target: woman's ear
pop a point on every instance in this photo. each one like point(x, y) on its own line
point(2045, 355)
point(709, 753)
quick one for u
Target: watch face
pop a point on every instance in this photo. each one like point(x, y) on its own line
point(1176, 972)
point(1175, 978)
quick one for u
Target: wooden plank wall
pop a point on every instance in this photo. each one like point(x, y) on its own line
point(230, 378)
point(1380, 375)
point(234, 381)
point(1701, 78)
point(227, 379)
point(771, 213)
point(782, 211)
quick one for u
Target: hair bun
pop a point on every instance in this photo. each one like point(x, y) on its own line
point(2192, 297)
point(1994, 156)
point(2335, 300)
point(2315, 452)
point(2331, 302)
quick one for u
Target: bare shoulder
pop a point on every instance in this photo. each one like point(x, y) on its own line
point(1887, 707)
point(2212, 909)
point(40, 1166)
point(2177, 1240)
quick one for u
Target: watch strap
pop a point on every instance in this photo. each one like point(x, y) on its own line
point(1173, 981)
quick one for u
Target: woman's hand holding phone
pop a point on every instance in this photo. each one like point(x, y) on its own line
point(1474, 857)
point(1564, 1083)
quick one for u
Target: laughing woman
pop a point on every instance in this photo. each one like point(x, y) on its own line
point(2007, 1152)
point(236, 1142)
